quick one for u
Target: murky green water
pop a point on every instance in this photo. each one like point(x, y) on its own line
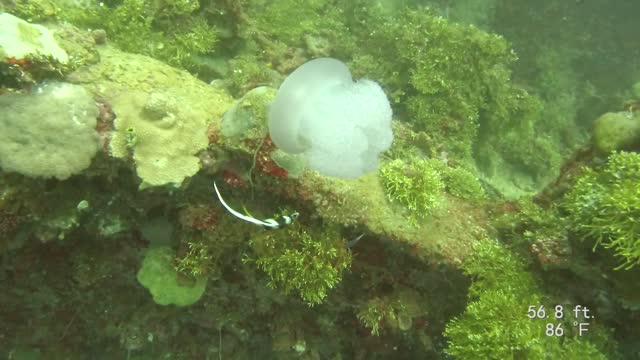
point(317, 179)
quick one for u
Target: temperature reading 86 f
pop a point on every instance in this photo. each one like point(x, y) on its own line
point(554, 330)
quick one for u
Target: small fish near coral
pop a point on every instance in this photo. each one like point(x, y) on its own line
point(270, 224)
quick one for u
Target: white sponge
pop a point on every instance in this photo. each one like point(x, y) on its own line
point(341, 126)
point(18, 39)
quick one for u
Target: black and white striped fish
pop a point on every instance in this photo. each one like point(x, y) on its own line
point(271, 224)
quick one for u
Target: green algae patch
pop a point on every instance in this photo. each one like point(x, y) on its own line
point(166, 285)
point(162, 113)
point(417, 185)
point(604, 206)
point(310, 263)
point(493, 327)
point(447, 234)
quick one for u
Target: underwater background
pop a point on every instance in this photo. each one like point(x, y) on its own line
point(494, 215)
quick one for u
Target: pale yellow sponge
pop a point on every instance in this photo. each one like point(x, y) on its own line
point(162, 113)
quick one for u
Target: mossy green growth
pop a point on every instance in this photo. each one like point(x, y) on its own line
point(290, 21)
point(194, 36)
point(166, 285)
point(198, 261)
point(128, 24)
point(604, 205)
point(246, 73)
point(34, 10)
point(529, 223)
point(444, 75)
point(495, 323)
point(171, 31)
point(453, 82)
point(390, 312)
point(178, 7)
point(463, 183)
point(310, 263)
point(372, 314)
point(417, 185)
